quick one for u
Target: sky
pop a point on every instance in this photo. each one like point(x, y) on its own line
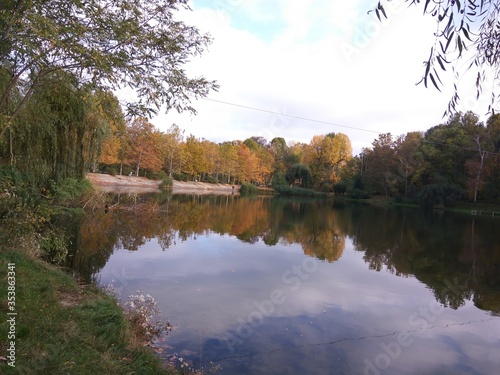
point(299, 68)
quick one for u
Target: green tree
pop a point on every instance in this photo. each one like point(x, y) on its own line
point(299, 174)
point(48, 138)
point(380, 165)
point(408, 158)
point(107, 44)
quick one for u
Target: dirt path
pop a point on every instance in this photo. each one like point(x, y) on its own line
point(132, 184)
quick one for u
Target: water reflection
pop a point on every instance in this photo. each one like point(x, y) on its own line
point(273, 285)
point(433, 247)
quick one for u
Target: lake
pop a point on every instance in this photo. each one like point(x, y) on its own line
point(263, 285)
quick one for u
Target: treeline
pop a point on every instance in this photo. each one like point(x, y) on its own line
point(137, 147)
point(459, 159)
point(65, 130)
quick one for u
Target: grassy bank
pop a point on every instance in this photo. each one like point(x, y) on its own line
point(62, 327)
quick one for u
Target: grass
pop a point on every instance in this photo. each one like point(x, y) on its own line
point(64, 328)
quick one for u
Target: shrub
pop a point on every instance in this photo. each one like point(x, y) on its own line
point(248, 189)
point(297, 191)
point(167, 182)
point(279, 180)
point(359, 194)
point(340, 188)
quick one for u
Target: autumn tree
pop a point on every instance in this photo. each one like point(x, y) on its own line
point(110, 149)
point(144, 151)
point(228, 152)
point(172, 143)
point(194, 162)
point(326, 155)
point(248, 165)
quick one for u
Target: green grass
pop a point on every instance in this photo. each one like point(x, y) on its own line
point(63, 328)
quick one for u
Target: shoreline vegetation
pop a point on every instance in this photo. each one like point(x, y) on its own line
point(132, 184)
point(65, 327)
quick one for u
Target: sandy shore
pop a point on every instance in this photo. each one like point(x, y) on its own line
point(132, 184)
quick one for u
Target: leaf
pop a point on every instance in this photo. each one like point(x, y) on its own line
point(425, 6)
point(382, 10)
point(466, 33)
point(434, 82)
point(450, 37)
point(459, 43)
point(440, 62)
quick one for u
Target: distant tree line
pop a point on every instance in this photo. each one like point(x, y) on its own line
point(136, 147)
point(459, 159)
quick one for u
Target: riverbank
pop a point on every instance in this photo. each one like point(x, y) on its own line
point(53, 325)
point(133, 184)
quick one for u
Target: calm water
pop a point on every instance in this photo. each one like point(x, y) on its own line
point(281, 286)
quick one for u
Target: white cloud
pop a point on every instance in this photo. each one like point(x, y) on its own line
point(304, 59)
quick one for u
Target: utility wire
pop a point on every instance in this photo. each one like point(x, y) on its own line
point(291, 116)
point(339, 125)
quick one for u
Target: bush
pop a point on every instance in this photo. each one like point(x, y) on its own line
point(298, 192)
point(69, 189)
point(359, 194)
point(157, 175)
point(279, 180)
point(211, 180)
point(54, 246)
point(180, 176)
point(248, 189)
point(167, 182)
point(339, 188)
point(439, 195)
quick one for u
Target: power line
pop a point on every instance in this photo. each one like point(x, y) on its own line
point(339, 125)
point(292, 116)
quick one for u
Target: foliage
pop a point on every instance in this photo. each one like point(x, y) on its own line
point(298, 191)
point(142, 310)
point(439, 196)
point(69, 190)
point(109, 44)
point(326, 156)
point(167, 182)
point(248, 189)
point(466, 30)
point(359, 194)
point(340, 188)
point(279, 180)
point(54, 246)
point(299, 174)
